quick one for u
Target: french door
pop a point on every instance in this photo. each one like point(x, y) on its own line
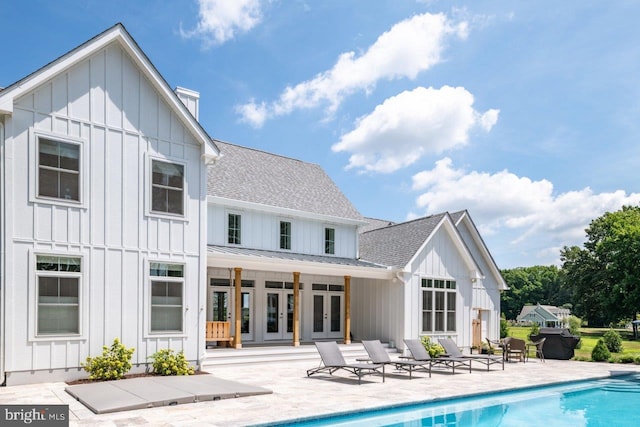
point(328, 312)
point(278, 304)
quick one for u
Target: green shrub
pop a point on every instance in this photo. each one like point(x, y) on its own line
point(626, 358)
point(112, 365)
point(433, 348)
point(574, 328)
point(637, 360)
point(166, 362)
point(504, 327)
point(613, 341)
point(600, 352)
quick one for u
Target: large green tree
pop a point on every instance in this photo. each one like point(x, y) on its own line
point(605, 276)
point(531, 285)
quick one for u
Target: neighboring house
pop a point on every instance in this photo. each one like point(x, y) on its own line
point(122, 218)
point(445, 283)
point(547, 316)
point(103, 211)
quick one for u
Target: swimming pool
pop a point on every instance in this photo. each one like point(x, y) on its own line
point(606, 402)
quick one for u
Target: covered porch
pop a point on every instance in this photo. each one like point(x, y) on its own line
point(269, 297)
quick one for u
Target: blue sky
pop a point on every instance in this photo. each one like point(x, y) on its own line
point(525, 113)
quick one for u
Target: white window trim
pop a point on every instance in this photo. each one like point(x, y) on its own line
point(148, 333)
point(148, 188)
point(242, 227)
point(34, 157)
point(82, 296)
point(281, 220)
point(446, 290)
point(324, 239)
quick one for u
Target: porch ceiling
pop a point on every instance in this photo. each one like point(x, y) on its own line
point(256, 259)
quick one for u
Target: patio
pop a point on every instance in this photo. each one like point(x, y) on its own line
point(296, 396)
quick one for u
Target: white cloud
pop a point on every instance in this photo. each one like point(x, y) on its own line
point(411, 124)
point(528, 211)
point(408, 48)
point(222, 20)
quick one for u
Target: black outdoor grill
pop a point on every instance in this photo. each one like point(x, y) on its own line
point(559, 343)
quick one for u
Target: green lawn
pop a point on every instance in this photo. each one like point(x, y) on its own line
point(589, 338)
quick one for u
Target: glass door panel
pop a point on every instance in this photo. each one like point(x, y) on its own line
point(335, 313)
point(273, 310)
point(318, 313)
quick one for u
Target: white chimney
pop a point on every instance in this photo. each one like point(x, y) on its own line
point(190, 99)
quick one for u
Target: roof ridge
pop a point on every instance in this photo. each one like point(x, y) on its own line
point(396, 224)
point(264, 152)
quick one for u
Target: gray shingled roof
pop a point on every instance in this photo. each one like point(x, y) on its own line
point(397, 244)
point(374, 224)
point(288, 256)
point(256, 176)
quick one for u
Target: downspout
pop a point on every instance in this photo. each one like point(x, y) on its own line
point(3, 375)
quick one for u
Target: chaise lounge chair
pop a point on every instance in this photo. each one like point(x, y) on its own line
point(379, 356)
point(420, 354)
point(452, 349)
point(332, 360)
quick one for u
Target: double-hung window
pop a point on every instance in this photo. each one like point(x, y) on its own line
point(58, 290)
point(234, 229)
point(167, 290)
point(58, 169)
point(167, 187)
point(329, 241)
point(438, 305)
point(285, 235)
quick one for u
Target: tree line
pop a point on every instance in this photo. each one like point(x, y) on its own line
point(599, 282)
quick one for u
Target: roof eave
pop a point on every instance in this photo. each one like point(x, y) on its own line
point(248, 262)
point(278, 210)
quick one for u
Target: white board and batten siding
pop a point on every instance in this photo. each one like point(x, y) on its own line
point(486, 291)
point(105, 104)
point(439, 259)
point(261, 230)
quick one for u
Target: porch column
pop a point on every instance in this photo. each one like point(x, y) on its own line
point(296, 308)
point(347, 309)
point(238, 283)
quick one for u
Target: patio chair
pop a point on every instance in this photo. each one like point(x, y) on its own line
point(379, 356)
point(538, 346)
point(332, 360)
point(516, 348)
point(452, 349)
point(496, 346)
point(419, 353)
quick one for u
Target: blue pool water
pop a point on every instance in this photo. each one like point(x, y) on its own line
point(608, 402)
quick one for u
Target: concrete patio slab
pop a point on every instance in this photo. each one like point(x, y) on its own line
point(149, 392)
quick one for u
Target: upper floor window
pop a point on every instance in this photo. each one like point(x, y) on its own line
point(167, 283)
point(285, 235)
point(234, 229)
point(58, 169)
point(329, 241)
point(167, 192)
point(58, 291)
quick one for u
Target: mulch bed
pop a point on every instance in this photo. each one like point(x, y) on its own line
point(143, 374)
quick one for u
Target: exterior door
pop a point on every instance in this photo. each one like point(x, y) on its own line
point(221, 301)
point(328, 314)
point(279, 314)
